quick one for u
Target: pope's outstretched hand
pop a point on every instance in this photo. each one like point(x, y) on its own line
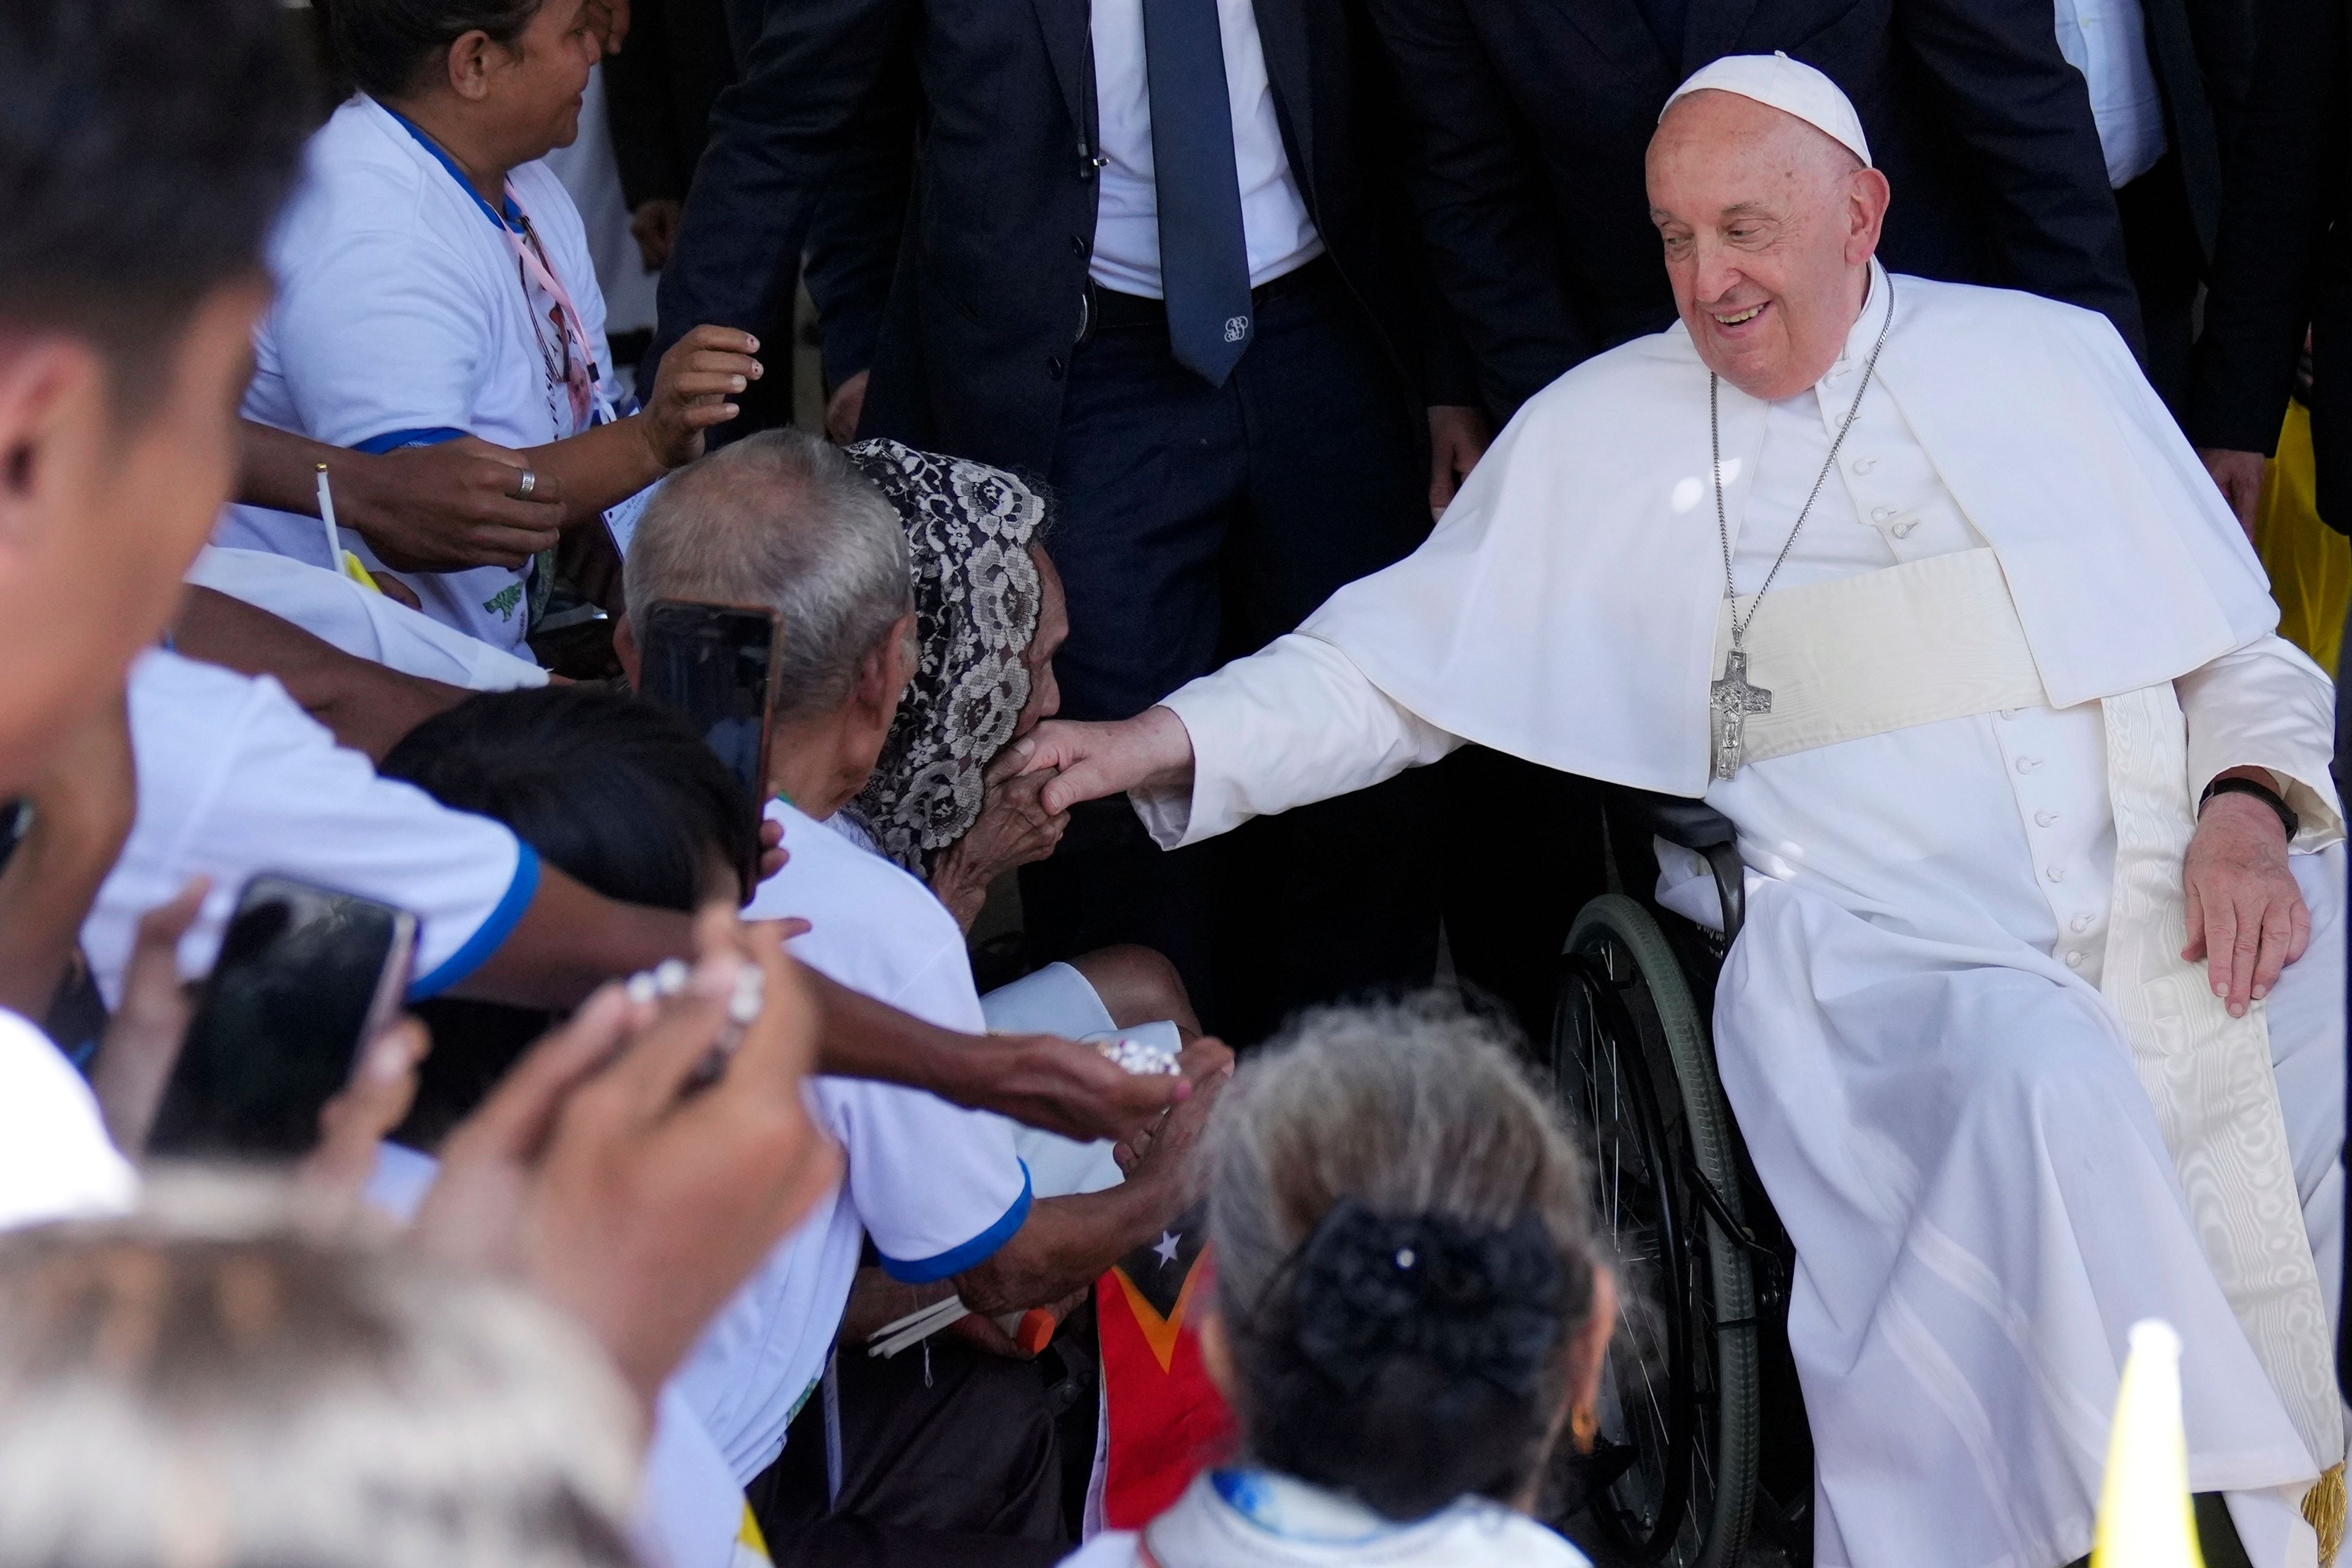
point(1151, 751)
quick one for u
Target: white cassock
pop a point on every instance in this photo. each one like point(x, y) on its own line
point(2000, 1119)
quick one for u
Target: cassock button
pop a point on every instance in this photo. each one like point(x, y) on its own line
point(1880, 514)
point(2083, 923)
point(2027, 764)
point(1902, 530)
point(2076, 959)
point(1863, 465)
point(2044, 818)
point(2055, 873)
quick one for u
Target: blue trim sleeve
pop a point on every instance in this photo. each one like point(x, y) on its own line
point(495, 926)
point(393, 440)
point(972, 1253)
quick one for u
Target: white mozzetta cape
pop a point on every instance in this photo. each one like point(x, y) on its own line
point(1565, 608)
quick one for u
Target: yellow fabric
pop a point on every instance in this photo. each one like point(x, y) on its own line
point(2310, 564)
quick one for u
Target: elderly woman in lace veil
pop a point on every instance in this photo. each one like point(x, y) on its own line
point(989, 617)
point(1407, 1313)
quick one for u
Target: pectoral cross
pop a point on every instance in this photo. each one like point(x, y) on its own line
point(1730, 700)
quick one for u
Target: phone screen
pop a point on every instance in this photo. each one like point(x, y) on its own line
point(305, 976)
point(713, 663)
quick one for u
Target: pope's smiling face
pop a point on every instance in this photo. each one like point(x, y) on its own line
point(1768, 225)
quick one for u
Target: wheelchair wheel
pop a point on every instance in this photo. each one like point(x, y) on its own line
point(1673, 1476)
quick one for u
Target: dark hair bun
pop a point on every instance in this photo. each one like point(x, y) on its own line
point(1425, 1339)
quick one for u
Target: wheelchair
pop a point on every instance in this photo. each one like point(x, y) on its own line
point(1703, 1458)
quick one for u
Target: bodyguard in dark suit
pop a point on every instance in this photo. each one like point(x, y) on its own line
point(1152, 258)
point(1532, 117)
point(2283, 263)
point(2163, 75)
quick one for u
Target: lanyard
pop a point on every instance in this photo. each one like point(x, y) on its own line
point(579, 369)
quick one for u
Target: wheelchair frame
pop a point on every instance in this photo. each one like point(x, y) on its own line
point(1690, 1479)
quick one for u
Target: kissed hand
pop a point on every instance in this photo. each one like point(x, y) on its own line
point(1151, 751)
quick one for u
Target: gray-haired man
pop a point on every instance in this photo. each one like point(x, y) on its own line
point(783, 520)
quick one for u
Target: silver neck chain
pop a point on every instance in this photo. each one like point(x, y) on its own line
point(1723, 529)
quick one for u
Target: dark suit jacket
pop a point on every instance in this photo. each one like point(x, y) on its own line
point(991, 285)
point(2284, 261)
point(658, 91)
point(1532, 117)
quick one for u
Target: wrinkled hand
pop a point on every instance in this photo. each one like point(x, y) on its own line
point(2240, 474)
point(447, 507)
point(654, 226)
point(692, 387)
point(1014, 829)
point(2247, 919)
point(1164, 1151)
point(846, 408)
point(1151, 751)
point(143, 1038)
point(1457, 440)
point(600, 1172)
point(1060, 1086)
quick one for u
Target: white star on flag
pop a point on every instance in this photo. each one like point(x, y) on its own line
point(1166, 1247)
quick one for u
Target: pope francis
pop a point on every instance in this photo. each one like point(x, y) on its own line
point(1920, 586)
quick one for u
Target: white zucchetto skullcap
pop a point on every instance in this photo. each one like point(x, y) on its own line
point(1789, 86)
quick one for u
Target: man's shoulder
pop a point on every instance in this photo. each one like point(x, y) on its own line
point(873, 927)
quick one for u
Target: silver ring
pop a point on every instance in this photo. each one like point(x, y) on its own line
point(527, 483)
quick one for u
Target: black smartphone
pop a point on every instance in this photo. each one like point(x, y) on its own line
point(305, 978)
point(716, 664)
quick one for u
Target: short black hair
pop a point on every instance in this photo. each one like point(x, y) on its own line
point(387, 45)
point(616, 793)
point(144, 148)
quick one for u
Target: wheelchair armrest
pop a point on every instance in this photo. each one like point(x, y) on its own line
point(1693, 824)
point(1700, 829)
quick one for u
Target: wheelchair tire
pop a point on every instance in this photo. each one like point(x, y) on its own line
point(1677, 1482)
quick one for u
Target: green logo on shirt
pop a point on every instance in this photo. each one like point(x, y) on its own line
point(503, 603)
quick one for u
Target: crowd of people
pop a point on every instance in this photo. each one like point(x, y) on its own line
point(1283, 469)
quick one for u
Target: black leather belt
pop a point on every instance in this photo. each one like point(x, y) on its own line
point(1112, 308)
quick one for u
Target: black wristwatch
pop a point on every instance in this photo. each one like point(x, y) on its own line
point(2261, 792)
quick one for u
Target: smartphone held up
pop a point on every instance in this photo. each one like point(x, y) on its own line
point(305, 977)
point(716, 665)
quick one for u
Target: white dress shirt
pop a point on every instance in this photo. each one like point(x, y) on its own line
point(1281, 237)
point(2107, 40)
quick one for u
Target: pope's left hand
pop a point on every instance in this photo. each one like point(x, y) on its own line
point(2247, 919)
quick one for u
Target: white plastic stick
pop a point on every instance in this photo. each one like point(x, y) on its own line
point(327, 516)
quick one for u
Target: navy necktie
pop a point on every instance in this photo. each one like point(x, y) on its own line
point(1203, 254)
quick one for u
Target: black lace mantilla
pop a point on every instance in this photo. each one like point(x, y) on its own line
point(1478, 1303)
point(969, 529)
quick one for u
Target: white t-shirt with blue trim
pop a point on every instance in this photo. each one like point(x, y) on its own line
point(235, 780)
point(940, 1188)
point(402, 318)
